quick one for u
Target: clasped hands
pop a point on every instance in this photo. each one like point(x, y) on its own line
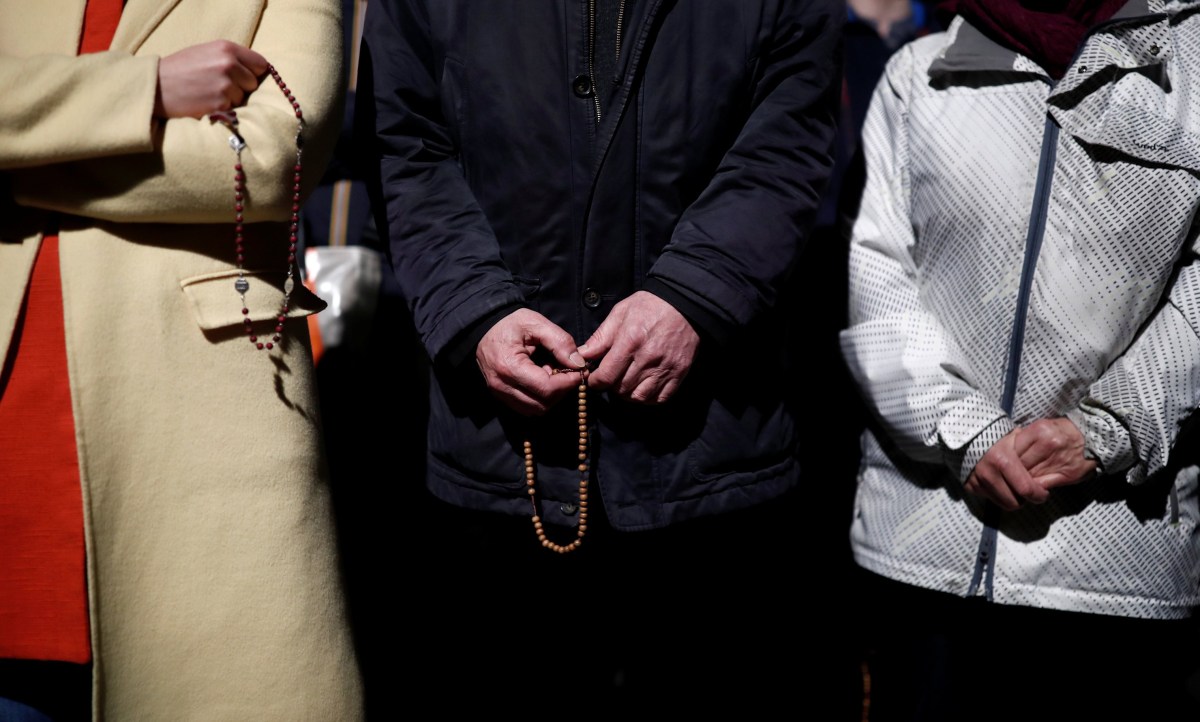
point(642, 351)
point(1030, 461)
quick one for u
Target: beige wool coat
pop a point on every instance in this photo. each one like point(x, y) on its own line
point(212, 569)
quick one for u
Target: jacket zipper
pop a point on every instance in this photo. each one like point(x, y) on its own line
point(1033, 246)
point(985, 557)
point(620, 22)
point(592, 48)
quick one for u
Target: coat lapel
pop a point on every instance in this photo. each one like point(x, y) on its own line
point(139, 19)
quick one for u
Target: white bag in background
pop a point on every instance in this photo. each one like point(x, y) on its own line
point(347, 278)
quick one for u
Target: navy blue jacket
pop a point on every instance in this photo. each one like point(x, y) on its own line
point(497, 188)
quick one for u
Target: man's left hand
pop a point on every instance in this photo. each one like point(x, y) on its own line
point(646, 346)
point(1052, 451)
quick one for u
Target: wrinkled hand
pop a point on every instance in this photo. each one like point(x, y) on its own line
point(206, 78)
point(1001, 476)
point(647, 348)
point(505, 357)
point(1052, 451)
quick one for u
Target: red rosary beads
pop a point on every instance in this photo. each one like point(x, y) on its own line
point(242, 285)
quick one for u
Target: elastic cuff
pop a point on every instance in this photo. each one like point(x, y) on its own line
point(1106, 439)
point(705, 323)
point(962, 461)
point(462, 348)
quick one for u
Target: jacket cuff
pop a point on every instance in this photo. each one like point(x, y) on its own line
point(1106, 440)
point(962, 461)
point(462, 347)
point(705, 323)
point(967, 430)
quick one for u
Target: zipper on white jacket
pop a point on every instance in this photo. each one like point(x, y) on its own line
point(985, 557)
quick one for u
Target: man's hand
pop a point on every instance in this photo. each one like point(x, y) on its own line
point(1028, 462)
point(206, 78)
point(1052, 451)
point(647, 348)
point(505, 357)
point(1001, 477)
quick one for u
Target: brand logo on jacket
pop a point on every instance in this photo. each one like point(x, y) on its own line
point(1159, 147)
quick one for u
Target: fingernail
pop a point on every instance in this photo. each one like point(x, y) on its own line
point(578, 360)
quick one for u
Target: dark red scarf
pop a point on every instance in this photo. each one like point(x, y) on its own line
point(1046, 31)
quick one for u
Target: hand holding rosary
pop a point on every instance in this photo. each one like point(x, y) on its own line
point(242, 285)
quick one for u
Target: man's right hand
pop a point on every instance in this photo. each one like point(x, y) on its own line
point(1030, 461)
point(505, 357)
point(1001, 476)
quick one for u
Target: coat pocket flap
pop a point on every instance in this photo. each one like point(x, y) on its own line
point(216, 303)
point(1136, 114)
point(1144, 135)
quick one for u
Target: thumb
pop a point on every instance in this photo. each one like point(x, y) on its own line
point(560, 345)
point(598, 345)
point(573, 360)
point(254, 61)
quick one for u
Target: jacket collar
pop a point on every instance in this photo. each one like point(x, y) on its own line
point(970, 51)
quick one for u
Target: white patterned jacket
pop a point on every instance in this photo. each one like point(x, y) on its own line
point(1027, 248)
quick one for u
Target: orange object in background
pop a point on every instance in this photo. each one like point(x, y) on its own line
point(314, 328)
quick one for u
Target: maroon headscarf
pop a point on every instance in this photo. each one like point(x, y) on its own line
point(1047, 31)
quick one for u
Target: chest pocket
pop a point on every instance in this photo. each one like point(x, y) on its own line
point(1131, 92)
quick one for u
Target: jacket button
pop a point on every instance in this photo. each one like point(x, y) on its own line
point(582, 86)
point(1154, 49)
point(591, 298)
point(568, 509)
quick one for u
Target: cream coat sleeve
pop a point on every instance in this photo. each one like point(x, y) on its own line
point(186, 175)
point(51, 109)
